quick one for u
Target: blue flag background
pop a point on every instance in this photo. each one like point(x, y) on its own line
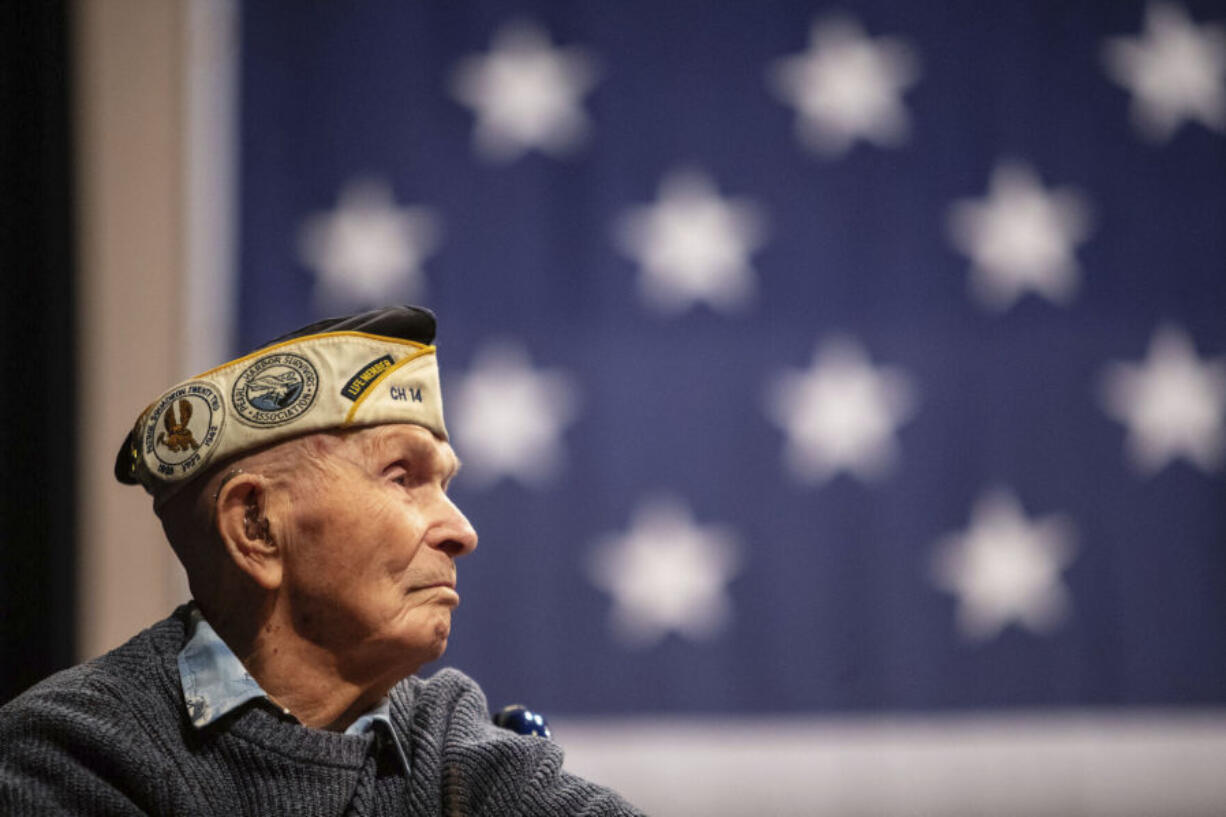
point(801, 361)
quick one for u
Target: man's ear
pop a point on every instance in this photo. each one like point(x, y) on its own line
point(242, 524)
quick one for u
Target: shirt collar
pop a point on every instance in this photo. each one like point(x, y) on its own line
point(215, 683)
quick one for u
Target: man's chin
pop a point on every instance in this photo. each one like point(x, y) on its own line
point(434, 649)
point(442, 631)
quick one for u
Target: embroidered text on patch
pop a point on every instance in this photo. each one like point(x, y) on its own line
point(361, 381)
point(275, 390)
point(181, 430)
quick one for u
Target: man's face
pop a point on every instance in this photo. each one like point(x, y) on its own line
point(370, 540)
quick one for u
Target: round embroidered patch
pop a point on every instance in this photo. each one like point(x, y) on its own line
point(183, 429)
point(275, 390)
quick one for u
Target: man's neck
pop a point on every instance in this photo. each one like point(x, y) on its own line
point(303, 678)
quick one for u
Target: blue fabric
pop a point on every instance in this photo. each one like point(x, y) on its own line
point(216, 683)
point(833, 607)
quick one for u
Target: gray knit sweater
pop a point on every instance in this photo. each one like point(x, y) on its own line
point(112, 737)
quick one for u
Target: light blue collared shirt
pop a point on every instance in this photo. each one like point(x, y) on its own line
point(216, 683)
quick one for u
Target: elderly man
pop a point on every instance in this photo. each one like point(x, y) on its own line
point(304, 488)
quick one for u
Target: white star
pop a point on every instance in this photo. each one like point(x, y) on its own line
point(509, 417)
point(666, 574)
point(525, 94)
point(1176, 72)
point(367, 251)
point(1020, 238)
point(847, 87)
point(1006, 569)
point(841, 414)
point(693, 245)
point(1173, 404)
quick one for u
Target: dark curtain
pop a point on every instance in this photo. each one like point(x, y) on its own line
point(38, 429)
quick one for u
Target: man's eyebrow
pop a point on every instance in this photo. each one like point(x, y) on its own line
point(390, 445)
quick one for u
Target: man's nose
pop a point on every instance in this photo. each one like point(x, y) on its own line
point(454, 534)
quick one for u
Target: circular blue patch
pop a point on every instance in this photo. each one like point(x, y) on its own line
point(274, 390)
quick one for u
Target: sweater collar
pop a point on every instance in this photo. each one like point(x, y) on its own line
point(215, 683)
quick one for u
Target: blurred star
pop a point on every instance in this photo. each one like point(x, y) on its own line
point(1021, 238)
point(510, 417)
point(1005, 569)
point(525, 94)
point(847, 87)
point(1175, 70)
point(1173, 404)
point(693, 245)
point(841, 414)
point(368, 252)
point(666, 574)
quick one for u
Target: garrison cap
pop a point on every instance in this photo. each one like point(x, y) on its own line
point(359, 370)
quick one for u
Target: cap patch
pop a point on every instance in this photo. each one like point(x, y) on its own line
point(361, 381)
point(275, 390)
point(182, 429)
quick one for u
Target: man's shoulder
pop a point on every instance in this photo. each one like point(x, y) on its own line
point(489, 770)
point(93, 738)
point(124, 673)
point(448, 699)
point(444, 681)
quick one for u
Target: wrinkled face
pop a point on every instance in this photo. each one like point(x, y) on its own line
point(370, 541)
